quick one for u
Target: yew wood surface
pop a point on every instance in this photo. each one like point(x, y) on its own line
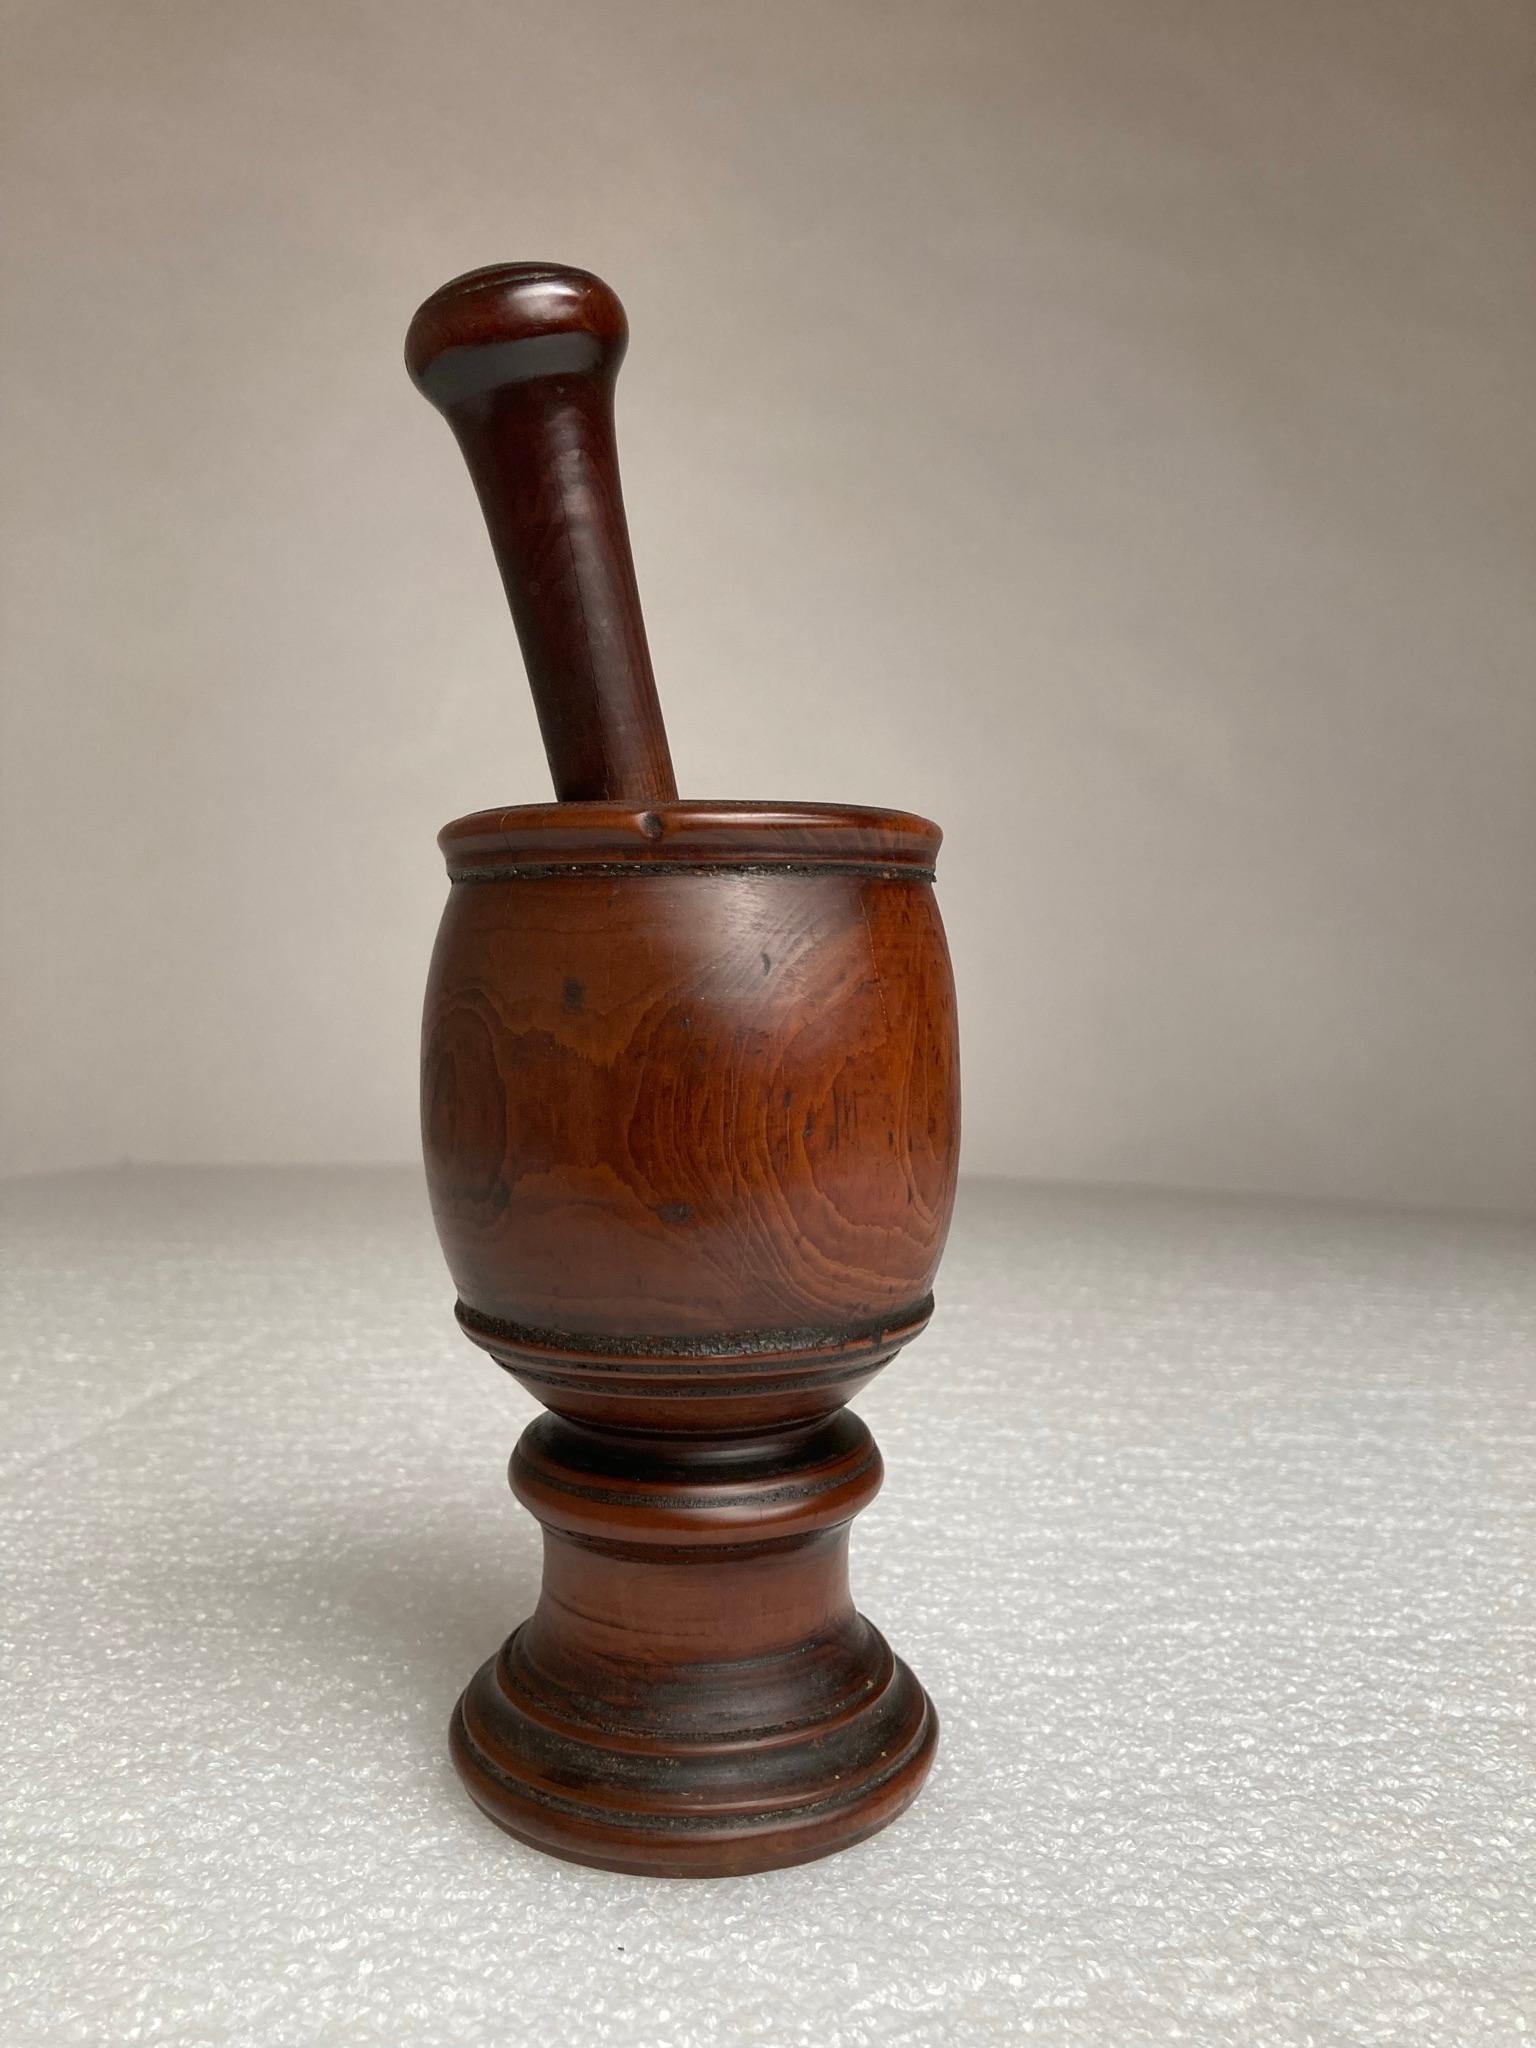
point(690, 1115)
point(520, 358)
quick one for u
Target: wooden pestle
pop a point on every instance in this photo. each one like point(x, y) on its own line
point(520, 359)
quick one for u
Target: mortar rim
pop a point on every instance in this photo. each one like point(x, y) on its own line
point(690, 833)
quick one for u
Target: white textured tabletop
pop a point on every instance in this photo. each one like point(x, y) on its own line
point(1209, 1527)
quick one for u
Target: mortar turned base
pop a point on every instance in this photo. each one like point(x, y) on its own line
point(694, 1695)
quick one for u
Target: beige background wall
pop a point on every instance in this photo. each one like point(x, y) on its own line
point(1106, 426)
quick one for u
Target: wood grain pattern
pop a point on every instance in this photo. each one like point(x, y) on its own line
point(690, 1107)
point(690, 1112)
point(520, 358)
point(695, 1694)
point(728, 1095)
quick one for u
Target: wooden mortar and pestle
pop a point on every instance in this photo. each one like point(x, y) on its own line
point(691, 1118)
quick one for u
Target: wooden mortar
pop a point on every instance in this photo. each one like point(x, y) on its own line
point(691, 1117)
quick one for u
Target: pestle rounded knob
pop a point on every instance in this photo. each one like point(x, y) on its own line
point(520, 359)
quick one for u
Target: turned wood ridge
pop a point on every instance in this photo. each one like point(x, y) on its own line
point(690, 1115)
